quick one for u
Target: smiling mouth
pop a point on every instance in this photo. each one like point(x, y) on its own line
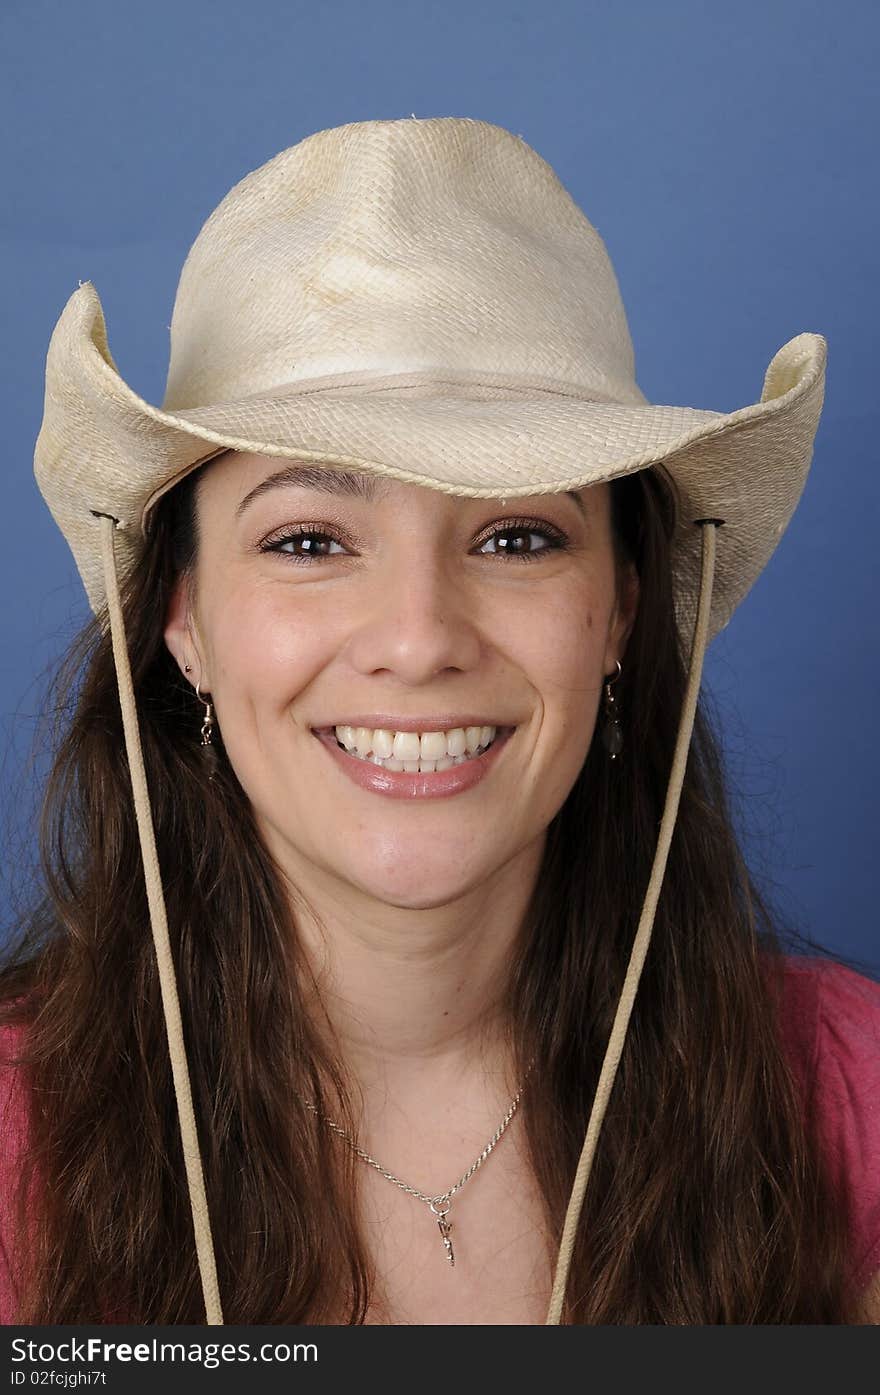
point(418, 765)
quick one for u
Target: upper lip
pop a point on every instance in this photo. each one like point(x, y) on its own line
point(383, 721)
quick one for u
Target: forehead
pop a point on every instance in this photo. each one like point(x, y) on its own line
point(246, 477)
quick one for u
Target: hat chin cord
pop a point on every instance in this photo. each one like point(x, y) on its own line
point(165, 962)
point(159, 925)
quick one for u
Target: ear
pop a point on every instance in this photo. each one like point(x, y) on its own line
point(623, 617)
point(181, 635)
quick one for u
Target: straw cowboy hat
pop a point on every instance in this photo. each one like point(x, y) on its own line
point(423, 300)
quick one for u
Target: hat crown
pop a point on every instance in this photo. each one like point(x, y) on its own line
point(444, 248)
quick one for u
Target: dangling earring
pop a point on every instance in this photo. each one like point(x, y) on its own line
point(208, 723)
point(612, 734)
point(208, 749)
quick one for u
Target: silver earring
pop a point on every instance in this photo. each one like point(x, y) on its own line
point(208, 723)
point(612, 733)
point(208, 749)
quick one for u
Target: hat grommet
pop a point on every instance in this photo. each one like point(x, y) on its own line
point(100, 513)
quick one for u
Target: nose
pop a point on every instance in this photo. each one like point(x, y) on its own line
point(418, 619)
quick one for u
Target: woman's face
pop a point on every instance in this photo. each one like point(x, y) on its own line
point(409, 604)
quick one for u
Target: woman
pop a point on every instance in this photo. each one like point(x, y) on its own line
point(400, 605)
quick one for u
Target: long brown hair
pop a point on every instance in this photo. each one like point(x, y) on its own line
point(708, 1201)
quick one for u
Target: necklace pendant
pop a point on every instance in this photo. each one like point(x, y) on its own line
point(445, 1230)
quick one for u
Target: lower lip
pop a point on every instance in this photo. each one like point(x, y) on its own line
point(403, 784)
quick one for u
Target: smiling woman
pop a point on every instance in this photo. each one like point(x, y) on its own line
point(414, 932)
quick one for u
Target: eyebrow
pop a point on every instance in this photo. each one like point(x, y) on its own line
point(352, 484)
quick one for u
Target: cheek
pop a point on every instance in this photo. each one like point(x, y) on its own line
point(563, 653)
point(263, 649)
point(561, 643)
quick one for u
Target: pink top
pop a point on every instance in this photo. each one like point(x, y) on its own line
point(831, 1030)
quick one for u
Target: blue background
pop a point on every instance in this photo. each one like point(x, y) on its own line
point(726, 153)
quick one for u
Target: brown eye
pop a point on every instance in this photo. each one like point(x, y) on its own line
point(524, 528)
point(299, 535)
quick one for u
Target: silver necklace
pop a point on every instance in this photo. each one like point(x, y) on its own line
point(439, 1205)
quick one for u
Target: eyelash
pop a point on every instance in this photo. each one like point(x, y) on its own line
point(558, 541)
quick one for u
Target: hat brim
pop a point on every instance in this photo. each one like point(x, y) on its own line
point(103, 449)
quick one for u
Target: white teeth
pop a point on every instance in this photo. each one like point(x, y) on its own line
point(415, 751)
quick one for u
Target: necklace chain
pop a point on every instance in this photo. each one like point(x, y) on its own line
point(440, 1203)
point(414, 1191)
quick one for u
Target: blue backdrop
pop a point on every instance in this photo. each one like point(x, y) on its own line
point(727, 155)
